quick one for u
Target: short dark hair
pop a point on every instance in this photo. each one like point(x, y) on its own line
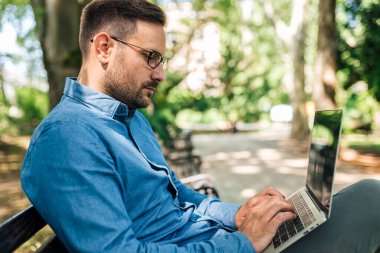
point(117, 17)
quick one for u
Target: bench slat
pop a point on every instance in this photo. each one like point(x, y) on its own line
point(18, 229)
point(52, 245)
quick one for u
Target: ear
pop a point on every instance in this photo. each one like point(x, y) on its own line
point(104, 46)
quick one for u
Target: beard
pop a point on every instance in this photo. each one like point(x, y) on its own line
point(122, 86)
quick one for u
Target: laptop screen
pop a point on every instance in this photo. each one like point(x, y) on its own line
point(322, 156)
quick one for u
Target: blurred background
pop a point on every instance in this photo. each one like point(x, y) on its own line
point(243, 77)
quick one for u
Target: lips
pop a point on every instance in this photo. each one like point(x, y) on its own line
point(151, 86)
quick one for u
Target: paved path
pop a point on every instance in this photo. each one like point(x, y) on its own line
point(243, 164)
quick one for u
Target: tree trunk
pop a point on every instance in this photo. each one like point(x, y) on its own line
point(58, 28)
point(325, 68)
point(292, 39)
point(300, 129)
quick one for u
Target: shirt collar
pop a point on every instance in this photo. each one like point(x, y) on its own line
point(97, 100)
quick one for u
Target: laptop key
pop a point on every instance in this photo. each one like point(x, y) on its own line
point(276, 241)
point(282, 229)
point(307, 221)
point(298, 224)
point(292, 233)
point(284, 237)
point(291, 227)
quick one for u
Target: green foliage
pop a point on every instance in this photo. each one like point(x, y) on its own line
point(5, 123)
point(13, 11)
point(360, 109)
point(248, 69)
point(363, 143)
point(359, 46)
point(34, 105)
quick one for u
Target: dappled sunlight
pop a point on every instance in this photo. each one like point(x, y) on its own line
point(220, 156)
point(344, 178)
point(254, 160)
point(240, 174)
point(247, 193)
point(348, 154)
point(289, 170)
point(246, 169)
point(298, 163)
point(241, 155)
point(269, 154)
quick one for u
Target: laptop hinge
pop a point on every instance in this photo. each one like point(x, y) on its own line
point(316, 201)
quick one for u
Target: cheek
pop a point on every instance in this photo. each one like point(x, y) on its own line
point(135, 71)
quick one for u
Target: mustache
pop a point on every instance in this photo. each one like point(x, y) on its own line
point(151, 84)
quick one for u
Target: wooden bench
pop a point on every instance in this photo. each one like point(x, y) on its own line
point(20, 228)
point(180, 156)
point(186, 165)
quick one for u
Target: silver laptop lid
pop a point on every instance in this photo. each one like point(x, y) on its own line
point(322, 157)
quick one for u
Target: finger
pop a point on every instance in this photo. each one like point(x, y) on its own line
point(274, 206)
point(256, 200)
point(272, 192)
point(263, 200)
point(280, 218)
point(266, 209)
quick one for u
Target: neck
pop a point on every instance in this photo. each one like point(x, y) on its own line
point(83, 76)
point(91, 75)
point(89, 78)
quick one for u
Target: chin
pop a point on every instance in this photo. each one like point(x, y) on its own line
point(143, 105)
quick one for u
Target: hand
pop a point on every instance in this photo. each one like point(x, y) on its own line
point(260, 217)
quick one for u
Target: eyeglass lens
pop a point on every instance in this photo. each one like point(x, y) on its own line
point(155, 59)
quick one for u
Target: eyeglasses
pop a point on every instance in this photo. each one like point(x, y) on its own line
point(154, 58)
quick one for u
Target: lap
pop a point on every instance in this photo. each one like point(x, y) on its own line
point(354, 225)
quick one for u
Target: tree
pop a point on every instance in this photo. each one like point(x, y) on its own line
point(325, 67)
point(58, 28)
point(359, 45)
point(232, 53)
point(244, 81)
point(291, 47)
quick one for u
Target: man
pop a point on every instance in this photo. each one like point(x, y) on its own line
point(95, 171)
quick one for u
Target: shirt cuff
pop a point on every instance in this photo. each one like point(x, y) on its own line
point(223, 213)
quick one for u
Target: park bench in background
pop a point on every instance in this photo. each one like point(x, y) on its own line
point(180, 156)
point(187, 166)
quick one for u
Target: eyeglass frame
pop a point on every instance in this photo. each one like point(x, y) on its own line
point(149, 57)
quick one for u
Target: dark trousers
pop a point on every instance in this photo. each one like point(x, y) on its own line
point(354, 225)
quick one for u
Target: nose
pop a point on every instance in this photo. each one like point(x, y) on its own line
point(158, 74)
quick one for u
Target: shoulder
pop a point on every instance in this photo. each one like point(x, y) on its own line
point(70, 123)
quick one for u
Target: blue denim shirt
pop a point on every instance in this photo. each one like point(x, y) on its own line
point(96, 173)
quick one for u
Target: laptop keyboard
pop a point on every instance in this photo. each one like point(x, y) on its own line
point(291, 227)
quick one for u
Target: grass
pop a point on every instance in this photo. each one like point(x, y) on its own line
point(367, 148)
point(364, 144)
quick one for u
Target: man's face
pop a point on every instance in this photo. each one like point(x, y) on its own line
point(129, 79)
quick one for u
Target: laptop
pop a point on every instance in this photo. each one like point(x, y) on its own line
point(313, 202)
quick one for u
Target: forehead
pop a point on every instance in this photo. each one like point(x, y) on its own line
point(150, 36)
